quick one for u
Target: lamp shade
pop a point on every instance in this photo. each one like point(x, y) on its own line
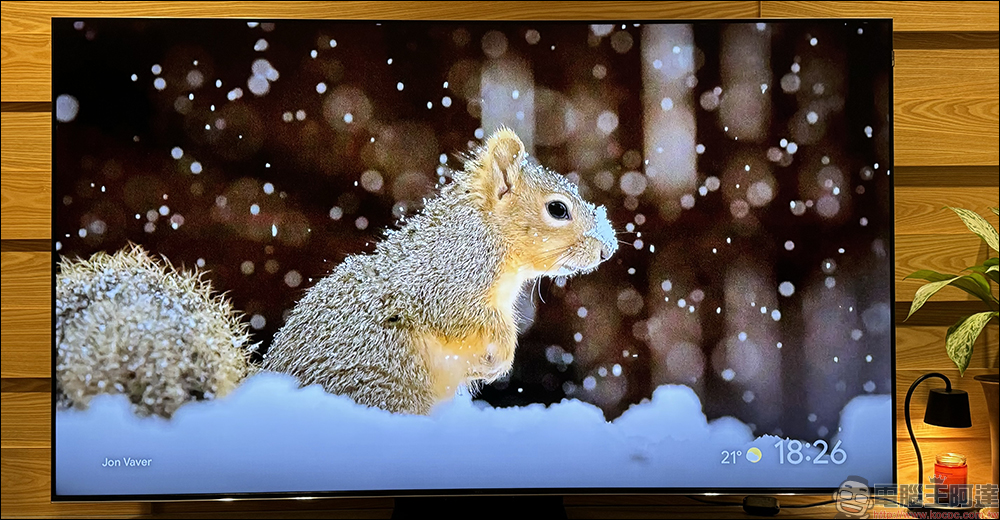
point(948, 408)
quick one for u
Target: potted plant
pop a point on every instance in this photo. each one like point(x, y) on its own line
point(963, 334)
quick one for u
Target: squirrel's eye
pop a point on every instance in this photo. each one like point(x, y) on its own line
point(558, 210)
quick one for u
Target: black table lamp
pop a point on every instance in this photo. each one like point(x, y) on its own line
point(945, 407)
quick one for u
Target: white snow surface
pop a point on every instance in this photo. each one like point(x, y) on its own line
point(269, 435)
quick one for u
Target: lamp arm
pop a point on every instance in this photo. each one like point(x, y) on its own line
point(909, 427)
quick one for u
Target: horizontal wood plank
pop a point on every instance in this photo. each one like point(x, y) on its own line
point(921, 210)
point(947, 131)
point(21, 57)
point(25, 142)
point(922, 348)
point(26, 280)
point(946, 73)
point(26, 420)
point(906, 16)
point(977, 402)
point(26, 336)
point(26, 205)
point(26, 485)
point(941, 253)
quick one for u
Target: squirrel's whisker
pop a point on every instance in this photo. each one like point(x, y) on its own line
point(538, 285)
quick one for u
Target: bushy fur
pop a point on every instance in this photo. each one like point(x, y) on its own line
point(129, 324)
point(432, 308)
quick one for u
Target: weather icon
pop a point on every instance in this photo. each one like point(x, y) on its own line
point(753, 455)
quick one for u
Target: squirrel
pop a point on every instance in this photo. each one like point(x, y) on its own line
point(128, 324)
point(432, 309)
point(403, 328)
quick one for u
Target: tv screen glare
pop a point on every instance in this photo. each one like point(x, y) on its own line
point(315, 257)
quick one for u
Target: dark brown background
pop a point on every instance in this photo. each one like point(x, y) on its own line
point(946, 152)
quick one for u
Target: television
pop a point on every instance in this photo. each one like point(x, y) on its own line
point(277, 240)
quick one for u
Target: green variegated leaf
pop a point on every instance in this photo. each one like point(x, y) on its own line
point(977, 285)
point(993, 274)
point(962, 336)
point(979, 226)
point(925, 292)
point(991, 269)
point(974, 284)
point(996, 211)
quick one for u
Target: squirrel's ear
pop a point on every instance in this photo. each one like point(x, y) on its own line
point(502, 160)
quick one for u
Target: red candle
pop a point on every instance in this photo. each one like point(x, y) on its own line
point(949, 469)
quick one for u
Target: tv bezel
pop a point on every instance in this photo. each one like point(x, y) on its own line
point(469, 492)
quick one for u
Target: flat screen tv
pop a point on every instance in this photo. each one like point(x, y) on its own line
point(316, 257)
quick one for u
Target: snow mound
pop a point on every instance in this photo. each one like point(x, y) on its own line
point(269, 435)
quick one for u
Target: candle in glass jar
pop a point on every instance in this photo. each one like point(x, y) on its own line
point(950, 470)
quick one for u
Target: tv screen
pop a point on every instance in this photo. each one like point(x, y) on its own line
point(308, 257)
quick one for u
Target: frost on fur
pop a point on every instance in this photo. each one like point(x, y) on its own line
point(129, 324)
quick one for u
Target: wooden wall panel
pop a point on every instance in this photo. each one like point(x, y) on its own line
point(946, 131)
point(941, 253)
point(26, 336)
point(946, 106)
point(922, 348)
point(26, 205)
point(26, 280)
point(25, 141)
point(906, 16)
point(921, 210)
point(23, 57)
point(26, 420)
point(931, 73)
point(946, 151)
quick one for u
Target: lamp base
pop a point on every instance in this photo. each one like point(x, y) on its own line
point(944, 510)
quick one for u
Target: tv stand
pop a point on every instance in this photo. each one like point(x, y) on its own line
point(480, 507)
